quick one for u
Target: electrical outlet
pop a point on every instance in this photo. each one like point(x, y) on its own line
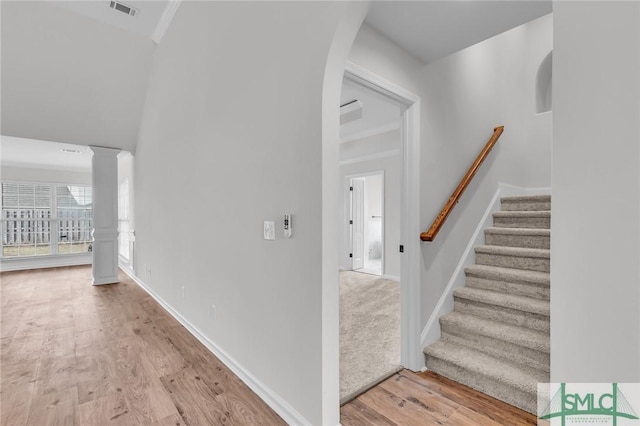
point(212, 312)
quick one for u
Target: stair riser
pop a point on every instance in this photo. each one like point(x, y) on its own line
point(500, 349)
point(515, 262)
point(526, 241)
point(502, 314)
point(518, 289)
point(522, 222)
point(525, 206)
point(524, 400)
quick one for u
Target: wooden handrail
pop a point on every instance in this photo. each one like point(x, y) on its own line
point(430, 235)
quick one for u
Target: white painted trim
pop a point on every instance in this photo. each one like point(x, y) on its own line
point(272, 399)
point(346, 263)
point(127, 269)
point(431, 331)
point(370, 157)
point(411, 352)
point(375, 82)
point(391, 277)
point(48, 261)
point(53, 167)
point(372, 132)
point(165, 20)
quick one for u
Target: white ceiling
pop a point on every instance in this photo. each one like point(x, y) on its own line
point(427, 29)
point(145, 22)
point(430, 30)
point(44, 154)
point(379, 113)
point(69, 78)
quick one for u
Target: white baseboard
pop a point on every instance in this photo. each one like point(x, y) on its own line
point(37, 262)
point(391, 277)
point(431, 331)
point(273, 400)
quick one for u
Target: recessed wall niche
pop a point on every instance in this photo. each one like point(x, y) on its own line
point(544, 82)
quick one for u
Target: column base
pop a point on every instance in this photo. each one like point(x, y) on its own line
point(105, 281)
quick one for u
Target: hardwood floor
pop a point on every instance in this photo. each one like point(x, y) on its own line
point(427, 398)
point(76, 354)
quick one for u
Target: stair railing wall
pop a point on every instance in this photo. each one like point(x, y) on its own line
point(431, 330)
point(430, 235)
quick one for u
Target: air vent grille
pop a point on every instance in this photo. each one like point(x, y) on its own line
point(121, 7)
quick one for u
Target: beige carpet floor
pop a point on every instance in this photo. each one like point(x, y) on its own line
point(369, 331)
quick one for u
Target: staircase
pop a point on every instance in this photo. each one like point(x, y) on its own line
point(496, 340)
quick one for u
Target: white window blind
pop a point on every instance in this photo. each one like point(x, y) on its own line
point(45, 219)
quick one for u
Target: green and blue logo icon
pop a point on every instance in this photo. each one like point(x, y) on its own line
point(592, 404)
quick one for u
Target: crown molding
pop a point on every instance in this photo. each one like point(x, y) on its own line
point(165, 20)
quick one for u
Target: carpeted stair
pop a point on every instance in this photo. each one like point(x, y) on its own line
point(496, 340)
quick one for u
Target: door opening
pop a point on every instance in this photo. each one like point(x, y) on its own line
point(371, 168)
point(367, 223)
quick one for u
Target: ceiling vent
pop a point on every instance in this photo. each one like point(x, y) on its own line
point(121, 7)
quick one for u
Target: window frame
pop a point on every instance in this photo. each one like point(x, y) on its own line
point(124, 218)
point(53, 219)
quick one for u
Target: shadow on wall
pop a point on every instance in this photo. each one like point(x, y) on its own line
point(544, 83)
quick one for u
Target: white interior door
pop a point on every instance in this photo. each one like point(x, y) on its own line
point(357, 223)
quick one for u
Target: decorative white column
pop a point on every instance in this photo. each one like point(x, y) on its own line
point(105, 215)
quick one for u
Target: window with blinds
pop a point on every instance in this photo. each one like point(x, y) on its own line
point(73, 207)
point(43, 219)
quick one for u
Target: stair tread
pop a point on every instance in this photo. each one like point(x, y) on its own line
point(521, 198)
point(518, 376)
point(520, 336)
point(522, 213)
point(508, 274)
point(518, 231)
point(514, 251)
point(505, 300)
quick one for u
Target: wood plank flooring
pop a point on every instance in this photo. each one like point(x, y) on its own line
point(72, 353)
point(427, 398)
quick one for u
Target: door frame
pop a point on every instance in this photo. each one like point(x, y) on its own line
point(411, 353)
point(347, 230)
point(353, 256)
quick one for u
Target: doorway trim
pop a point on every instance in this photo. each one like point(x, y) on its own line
point(347, 214)
point(411, 354)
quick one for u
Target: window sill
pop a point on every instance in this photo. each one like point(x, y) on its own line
point(46, 261)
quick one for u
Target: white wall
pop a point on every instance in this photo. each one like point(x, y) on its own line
point(463, 97)
point(595, 248)
point(31, 174)
point(67, 78)
point(232, 135)
point(358, 157)
point(466, 95)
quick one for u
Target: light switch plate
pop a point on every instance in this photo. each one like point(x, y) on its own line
point(269, 230)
